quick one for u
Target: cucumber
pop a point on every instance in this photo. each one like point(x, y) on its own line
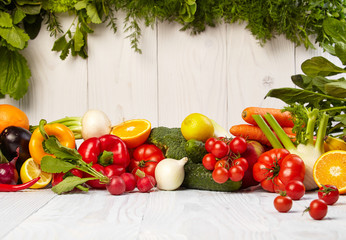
point(197, 177)
point(195, 150)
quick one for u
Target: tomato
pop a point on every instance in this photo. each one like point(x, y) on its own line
point(295, 189)
point(318, 209)
point(209, 161)
point(220, 149)
point(148, 152)
point(116, 185)
point(241, 162)
point(238, 145)
point(236, 173)
point(283, 203)
point(276, 167)
point(220, 175)
point(209, 144)
point(222, 163)
point(148, 167)
point(329, 194)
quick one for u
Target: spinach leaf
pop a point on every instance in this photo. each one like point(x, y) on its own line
point(14, 74)
point(320, 66)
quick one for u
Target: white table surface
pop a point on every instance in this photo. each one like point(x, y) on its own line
point(181, 214)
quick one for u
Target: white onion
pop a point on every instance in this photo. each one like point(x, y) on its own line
point(95, 123)
point(169, 173)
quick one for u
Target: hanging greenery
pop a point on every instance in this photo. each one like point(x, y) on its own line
point(21, 20)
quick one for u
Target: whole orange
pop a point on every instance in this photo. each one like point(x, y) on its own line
point(12, 116)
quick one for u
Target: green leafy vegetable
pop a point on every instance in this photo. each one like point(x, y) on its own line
point(298, 21)
point(69, 183)
point(318, 91)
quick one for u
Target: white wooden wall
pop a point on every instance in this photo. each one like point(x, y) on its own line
point(217, 73)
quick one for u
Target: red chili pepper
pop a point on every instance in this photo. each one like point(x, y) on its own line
point(15, 188)
point(105, 150)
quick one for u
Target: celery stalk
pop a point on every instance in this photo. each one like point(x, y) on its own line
point(285, 140)
point(267, 131)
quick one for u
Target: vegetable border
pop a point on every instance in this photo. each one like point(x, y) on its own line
point(21, 20)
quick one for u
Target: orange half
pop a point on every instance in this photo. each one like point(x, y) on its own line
point(330, 168)
point(133, 132)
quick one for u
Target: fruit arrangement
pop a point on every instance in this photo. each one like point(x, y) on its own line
point(134, 157)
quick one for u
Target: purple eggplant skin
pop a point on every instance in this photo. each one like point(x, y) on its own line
point(12, 138)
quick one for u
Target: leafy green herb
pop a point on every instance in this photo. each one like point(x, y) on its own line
point(298, 21)
point(64, 160)
point(316, 90)
point(69, 183)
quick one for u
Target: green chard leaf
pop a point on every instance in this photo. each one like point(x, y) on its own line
point(93, 14)
point(69, 183)
point(15, 36)
point(14, 74)
point(18, 16)
point(320, 66)
point(59, 44)
point(340, 52)
point(335, 29)
point(64, 153)
point(336, 89)
point(294, 95)
point(78, 39)
point(55, 165)
point(81, 5)
point(5, 20)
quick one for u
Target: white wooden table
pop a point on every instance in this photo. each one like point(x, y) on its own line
point(182, 214)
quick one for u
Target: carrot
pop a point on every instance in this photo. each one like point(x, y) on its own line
point(251, 132)
point(283, 118)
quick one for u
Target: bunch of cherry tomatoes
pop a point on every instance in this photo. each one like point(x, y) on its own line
point(223, 158)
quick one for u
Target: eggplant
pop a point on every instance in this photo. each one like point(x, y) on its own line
point(13, 138)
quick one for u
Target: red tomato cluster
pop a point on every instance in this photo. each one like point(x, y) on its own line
point(224, 159)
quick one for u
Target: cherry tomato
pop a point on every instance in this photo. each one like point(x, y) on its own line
point(238, 145)
point(130, 181)
point(209, 144)
point(222, 163)
point(148, 152)
point(116, 185)
point(220, 149)
point(148, 167)
point(329, 194)
point(209, 161)
point(220, 175)
point(283, 203)
point(295, 189)
point(236, 173)
point(318, 209)
point(241, 162)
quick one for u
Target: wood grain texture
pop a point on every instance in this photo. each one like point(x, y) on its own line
point(181, 214)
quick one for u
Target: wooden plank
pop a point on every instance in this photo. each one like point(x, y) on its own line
point(92, 215)
point(57, 88)
point(192, 74)
point(121, 82)
point(252, 70)
point(16, 207)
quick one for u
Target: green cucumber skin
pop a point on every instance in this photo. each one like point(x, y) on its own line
point(197, 177)
point(195, 150)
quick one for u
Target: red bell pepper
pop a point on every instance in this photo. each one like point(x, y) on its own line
point(276, 167)
point(105, 150)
